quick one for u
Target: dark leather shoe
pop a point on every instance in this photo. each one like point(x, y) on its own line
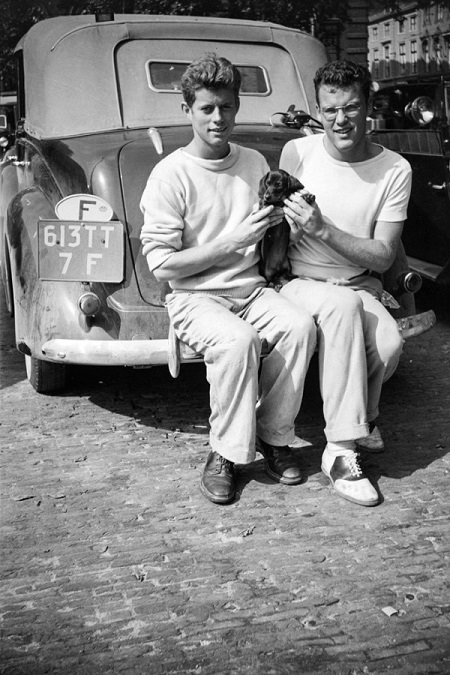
point(218, 479)
point(281, 463)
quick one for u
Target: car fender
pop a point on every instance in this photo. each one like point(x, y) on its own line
point(8, 188)
point(42, 309)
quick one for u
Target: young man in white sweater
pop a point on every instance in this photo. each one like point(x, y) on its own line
point(200, 233)
point(351, 231)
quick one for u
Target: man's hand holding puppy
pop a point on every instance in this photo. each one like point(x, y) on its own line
point(256, 225)
point(375, 254)
point(189, 261)
point(303, 216)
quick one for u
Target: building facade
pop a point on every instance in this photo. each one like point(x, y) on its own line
point(411, 43)
point(348, 40)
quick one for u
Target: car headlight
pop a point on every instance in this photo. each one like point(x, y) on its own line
point(422, 111)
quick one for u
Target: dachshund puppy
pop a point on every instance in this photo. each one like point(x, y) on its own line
point(273, 188)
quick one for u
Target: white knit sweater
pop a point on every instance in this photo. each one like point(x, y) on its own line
point(189, 201)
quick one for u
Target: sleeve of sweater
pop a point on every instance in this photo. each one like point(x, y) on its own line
point(163, 209)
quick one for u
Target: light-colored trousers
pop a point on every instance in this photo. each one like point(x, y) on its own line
point(230, 333)
point(359, 348)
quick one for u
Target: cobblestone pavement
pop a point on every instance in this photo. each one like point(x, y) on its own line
point(113, 562)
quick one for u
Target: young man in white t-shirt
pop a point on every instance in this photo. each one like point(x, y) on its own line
point(200, 233)
point(337, 244)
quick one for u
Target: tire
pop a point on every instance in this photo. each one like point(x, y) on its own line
point(45, 376)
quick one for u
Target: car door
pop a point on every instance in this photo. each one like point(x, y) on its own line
point(426, 234)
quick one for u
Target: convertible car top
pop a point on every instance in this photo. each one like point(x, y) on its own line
point(93, 70)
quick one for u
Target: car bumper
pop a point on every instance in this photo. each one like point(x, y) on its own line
point(411, 326)
point(108, 352)
point(160, 352)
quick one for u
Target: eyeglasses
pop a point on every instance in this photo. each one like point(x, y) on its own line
point(349, 110)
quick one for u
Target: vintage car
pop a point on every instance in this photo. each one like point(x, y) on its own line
point(412, 117)
point(98, 106)
point(7, 119)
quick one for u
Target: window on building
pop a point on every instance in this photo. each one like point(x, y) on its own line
point(387, 63)
point(376, 63)
point(426, 54)
point(427, 15)
point(375, 32)
point(413, 57)
point(402, 57)
point(440, 11)
point(387, 29)
point(401, 26)
point(437, 51)
point(413, 22)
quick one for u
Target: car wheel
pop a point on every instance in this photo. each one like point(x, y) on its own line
point(45, 376)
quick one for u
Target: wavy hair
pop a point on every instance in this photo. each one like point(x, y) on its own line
point(344, 74)
point(209, 72)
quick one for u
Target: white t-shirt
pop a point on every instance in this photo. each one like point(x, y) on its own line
point(190, 201)
point(352, 196)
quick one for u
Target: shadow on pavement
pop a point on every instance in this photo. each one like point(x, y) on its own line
point(414, 408)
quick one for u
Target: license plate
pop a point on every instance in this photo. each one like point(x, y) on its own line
point(70, 250)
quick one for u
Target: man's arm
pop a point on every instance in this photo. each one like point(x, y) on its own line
point(376, 254)
point(190, 261)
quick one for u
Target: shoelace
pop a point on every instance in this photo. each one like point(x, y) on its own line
point(353, 463)
point(221, 462)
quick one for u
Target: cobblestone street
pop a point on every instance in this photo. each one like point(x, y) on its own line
point(113, 562)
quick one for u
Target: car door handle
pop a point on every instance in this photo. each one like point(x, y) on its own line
point(437, 187)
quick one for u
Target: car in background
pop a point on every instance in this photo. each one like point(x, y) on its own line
point(412, 117)
point(8, 101)
point(99, 104)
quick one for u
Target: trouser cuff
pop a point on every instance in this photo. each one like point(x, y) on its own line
point(238, 454)
point(347, 433)
point(278, 440)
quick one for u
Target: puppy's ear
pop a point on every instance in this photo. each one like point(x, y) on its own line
point(294, 184)
point(262, 185)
